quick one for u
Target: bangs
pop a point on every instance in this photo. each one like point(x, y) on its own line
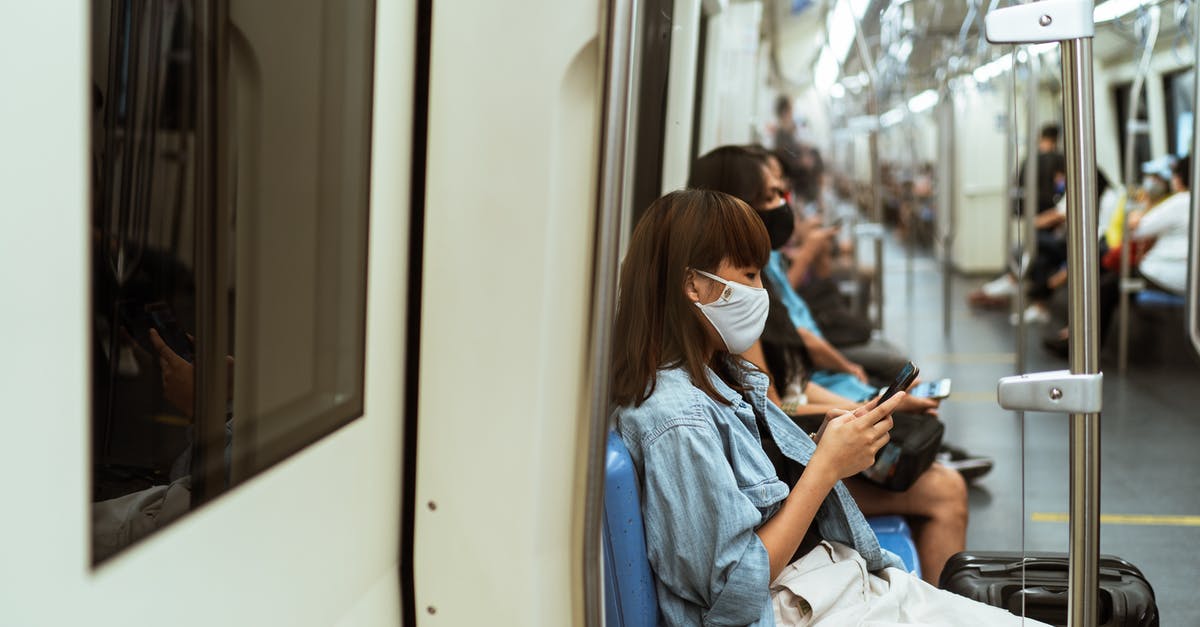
point(737, 232)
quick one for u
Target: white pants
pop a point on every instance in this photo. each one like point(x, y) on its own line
point(831, 586)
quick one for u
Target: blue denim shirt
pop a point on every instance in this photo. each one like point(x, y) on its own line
point(707, 486)
point(798, 310)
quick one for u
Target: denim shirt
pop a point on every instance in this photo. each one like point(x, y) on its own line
point(707, 486)
point(798, 310)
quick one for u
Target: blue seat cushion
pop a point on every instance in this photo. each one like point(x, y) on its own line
point(894, 535)
point(1155, 298)
point(629, 597)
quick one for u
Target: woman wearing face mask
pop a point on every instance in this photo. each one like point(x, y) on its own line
point(938, 498)
point(746, 520)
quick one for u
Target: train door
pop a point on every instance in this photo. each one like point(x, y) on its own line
point(510, 204)
point(188, 186)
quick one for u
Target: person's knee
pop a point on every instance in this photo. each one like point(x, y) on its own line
point(947, 493)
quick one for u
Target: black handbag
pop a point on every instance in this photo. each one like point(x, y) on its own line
point(910, 451)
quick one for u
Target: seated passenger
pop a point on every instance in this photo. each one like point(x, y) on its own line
point(1164, 266)
point(747, 522)
point(746, 173)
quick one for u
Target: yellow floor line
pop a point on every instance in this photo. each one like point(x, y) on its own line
point(988, 396)
point(969, 358)
point(1125, 519)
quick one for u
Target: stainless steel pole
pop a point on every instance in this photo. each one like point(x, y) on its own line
point(1133, 127)
point(946, 188)
point(620, 67)
point(1030, 204)
point(1080, 136)
point(1193, 291)
point(864, 54)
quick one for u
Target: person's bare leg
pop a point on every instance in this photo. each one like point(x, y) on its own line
point(939, 497)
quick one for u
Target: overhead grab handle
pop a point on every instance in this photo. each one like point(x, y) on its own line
point(1041, 22)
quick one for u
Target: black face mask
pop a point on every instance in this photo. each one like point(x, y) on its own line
point(780, 223)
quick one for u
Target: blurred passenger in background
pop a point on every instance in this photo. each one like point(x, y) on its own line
point(1165, 228)
point(1051, 183)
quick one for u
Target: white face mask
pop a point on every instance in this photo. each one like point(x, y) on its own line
point(739, 313)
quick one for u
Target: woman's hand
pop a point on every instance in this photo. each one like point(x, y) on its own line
point(178, 376)
point(848, 441)
point(915, 405)
point(856, 370)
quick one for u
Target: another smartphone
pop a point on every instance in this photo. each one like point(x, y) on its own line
point(163, 321)
point(904, 378)
point(932, 389)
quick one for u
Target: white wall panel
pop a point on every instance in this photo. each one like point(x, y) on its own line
point(681, 94)
point(510, 203)
point(730, 77)
point(980, 219)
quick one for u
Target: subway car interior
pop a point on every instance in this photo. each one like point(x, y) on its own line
point(368, 312)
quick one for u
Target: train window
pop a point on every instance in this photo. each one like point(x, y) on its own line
point(231, 160)
point(1178, 88)
point(1142, 142)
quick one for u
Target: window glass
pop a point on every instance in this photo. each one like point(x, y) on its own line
point(1178, 87)
point(231, 159)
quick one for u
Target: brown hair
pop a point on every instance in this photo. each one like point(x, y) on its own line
point(656, 325)
point(735, 170)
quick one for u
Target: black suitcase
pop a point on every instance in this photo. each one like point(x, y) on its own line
point(1126, 598)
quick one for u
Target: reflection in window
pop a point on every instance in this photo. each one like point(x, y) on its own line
point(230, 175)
point(1141, 144)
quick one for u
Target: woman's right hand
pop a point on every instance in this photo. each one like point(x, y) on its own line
point(848, 442)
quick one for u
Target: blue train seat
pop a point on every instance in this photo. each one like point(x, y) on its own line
point(629, 598)
point(894, 535)
point(1155, 298)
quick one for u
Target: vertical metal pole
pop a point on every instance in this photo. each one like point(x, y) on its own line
point(1133, 127)
point(946, 189)
point(1030, 204)
point(1193, 291)
point(876, 205)
point(211, 221)
point(621, 28)
point(1079, 127)
point(864, 54)
point(1010, 156)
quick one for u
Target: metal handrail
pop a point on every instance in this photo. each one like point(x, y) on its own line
point(1132, 129)
point(1193, 291)
point(1029, 205)
point(620, 60)
point(1082, 266)
point(946, 188)
point(864, 55)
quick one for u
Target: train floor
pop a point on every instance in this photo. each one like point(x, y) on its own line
point(1150, 432)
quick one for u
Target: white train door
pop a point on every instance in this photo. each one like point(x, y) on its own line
point(284, 531)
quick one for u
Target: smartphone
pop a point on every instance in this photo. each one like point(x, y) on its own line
point(932, 389)
point(904, 378)
point(163, 321)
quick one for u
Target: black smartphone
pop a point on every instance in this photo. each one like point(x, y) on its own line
point(932, 389)
point(163, 321)
point(906, 376)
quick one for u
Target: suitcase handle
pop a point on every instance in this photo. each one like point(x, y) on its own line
point(1041, 603)
point(1044, 564)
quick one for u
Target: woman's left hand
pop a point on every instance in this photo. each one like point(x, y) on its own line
point(914, 405)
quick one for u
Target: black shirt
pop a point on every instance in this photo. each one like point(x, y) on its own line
point(789, 472)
